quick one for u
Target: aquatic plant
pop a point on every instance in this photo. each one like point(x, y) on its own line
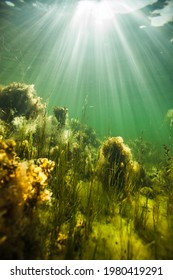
point(84, 134)
point(145, 152)
point(23, 187)
point(61, 114)
point(64, 194)
point(3, 129)
point(115, 166)
point(19, 99)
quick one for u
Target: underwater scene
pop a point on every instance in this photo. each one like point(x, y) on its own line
point(86, 129)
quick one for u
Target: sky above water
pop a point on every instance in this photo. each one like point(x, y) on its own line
point(110, 62)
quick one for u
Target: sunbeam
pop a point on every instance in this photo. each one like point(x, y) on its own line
point(99, 49)
point(86, 135)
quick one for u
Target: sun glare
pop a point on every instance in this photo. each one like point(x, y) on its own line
point(89, 47)
point(94, 11)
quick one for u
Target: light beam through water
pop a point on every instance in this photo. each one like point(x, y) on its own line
point(97, 49)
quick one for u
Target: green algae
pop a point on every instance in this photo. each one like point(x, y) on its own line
point(65, 194)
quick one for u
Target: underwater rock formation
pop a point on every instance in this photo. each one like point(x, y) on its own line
point(115, 167)
point(19, 99)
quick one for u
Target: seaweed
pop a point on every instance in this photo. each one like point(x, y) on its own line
point(65, 194)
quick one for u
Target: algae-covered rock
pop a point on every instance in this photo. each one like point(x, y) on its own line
point(116, 168)
point(61, 114)
point(19, 99)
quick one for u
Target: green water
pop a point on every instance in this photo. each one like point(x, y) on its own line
point(68, 191)
point(119, 60)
